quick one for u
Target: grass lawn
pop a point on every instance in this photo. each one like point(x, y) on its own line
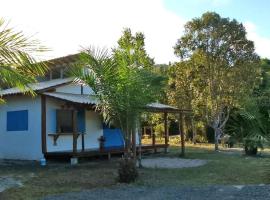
point(222, 168)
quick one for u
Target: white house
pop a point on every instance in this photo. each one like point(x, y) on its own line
point(59, 121)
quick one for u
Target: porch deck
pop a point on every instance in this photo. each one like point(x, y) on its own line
point(97, 152)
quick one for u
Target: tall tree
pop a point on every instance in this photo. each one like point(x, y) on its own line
point(123, 88)
point(131, 50)
point(18, 65)
point(223, 65)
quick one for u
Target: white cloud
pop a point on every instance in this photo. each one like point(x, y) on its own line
point(262, 44)
point(65, 25)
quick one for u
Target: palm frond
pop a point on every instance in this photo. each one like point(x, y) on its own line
point(18, 65)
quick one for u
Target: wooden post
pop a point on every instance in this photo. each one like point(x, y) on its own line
point(140, 145)
point(134, 148)
point(166, 131)
point(154, 142)
point(43, 125)
point(83, 142)
point(193, 130)
point(144, 131)
point(74, 125)
point(181, 129)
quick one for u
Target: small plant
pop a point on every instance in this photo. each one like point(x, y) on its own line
point(127, 170)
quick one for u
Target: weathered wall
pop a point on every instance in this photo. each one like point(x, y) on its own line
point(21, 144)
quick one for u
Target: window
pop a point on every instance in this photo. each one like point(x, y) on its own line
point(64, 121)
point(17, 120)
point(65, 124)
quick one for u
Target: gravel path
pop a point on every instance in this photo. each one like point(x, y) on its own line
point(255, 192)
point(172, 162)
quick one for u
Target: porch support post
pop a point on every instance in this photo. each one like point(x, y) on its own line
point(154, 143)
point(193, 130)
point(140, 145)
point(134, 148)
point(166, 131)
point(181, 130)
point(75, 136)
point(83, 142)
point(43, 125)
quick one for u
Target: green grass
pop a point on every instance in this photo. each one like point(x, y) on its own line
point(222, 168)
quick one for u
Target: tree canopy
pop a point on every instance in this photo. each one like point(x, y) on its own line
point(131, 50)
point(218, 68)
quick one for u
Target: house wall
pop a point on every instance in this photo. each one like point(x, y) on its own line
point(74, 89)
point(93, 129)
point(25, 145)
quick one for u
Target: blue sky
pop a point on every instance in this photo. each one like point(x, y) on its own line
point(257, 12)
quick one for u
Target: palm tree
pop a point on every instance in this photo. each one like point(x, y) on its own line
point(18, 66)
point(122, 89)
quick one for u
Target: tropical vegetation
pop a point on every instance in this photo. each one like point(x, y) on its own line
point(19, 64)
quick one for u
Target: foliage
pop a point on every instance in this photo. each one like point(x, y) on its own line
point(218, 68)
point(248, 126)
point(159, 130)
point(175, 140)
point(131, 50)
point(200, 139)
point(18, 66)
point(122, 88)
point(127, 171)
point(250, 123)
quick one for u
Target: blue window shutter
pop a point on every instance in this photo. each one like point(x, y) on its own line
point(17, 120)
point(81, 121)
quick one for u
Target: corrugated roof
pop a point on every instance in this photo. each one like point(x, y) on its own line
point(37, 86)
point(160, 106)
point(62, 61)
point(76, 98)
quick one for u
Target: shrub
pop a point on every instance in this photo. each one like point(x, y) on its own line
point(175, 140)
point(127, 170)
point(251, 146)
point(200, 139)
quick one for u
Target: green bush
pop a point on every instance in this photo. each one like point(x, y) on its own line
point(200, 139)
point(127, 170)
point(251, 146)
point(175, 140)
